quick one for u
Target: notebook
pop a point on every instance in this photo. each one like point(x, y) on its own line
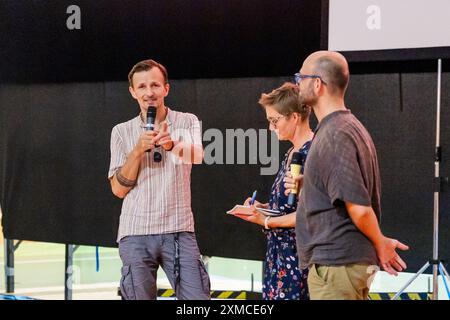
point(247, 210)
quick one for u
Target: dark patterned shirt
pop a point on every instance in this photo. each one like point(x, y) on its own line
point(341, 167)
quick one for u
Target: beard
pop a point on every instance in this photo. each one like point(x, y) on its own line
point(307, 96)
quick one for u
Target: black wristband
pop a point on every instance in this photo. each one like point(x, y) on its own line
point(124, 181)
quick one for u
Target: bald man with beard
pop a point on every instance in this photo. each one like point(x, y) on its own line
point(338, 233)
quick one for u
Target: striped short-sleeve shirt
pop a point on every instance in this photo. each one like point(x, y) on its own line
point(160, 202)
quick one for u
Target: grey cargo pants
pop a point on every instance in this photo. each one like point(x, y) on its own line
point(141, 257)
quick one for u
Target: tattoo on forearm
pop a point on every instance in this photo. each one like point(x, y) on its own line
point(124, 181)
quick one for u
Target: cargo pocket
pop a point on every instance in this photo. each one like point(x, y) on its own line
point(206, 283)
point(126, 284)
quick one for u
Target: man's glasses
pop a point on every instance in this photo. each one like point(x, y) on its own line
point(274, 121)
point(299, 77)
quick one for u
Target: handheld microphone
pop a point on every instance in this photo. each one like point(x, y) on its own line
point(295, 171)
point(151, 116)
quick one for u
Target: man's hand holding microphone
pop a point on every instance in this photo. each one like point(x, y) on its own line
point(153, 138)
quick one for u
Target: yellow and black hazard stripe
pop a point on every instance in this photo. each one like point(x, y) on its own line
point(250, 295)
point(247, 295)
point(403, 296)
point(218, 294)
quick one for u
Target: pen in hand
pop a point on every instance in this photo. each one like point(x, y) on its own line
point(252, 201)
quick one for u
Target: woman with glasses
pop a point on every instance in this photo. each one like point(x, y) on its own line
point(289, 119)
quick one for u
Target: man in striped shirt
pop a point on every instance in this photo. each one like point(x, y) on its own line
point(150, 170)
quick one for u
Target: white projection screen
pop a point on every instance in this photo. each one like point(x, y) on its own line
point(384, 29)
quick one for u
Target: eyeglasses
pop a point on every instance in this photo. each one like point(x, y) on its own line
point(274, 121)
point(298, 77)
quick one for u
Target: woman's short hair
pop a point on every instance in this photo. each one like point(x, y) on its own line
point(285, 100)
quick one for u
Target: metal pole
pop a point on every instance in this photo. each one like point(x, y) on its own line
point(438, 182)
point(422, 270)
point(9, 265)
point(437, 188)
point(68, 282)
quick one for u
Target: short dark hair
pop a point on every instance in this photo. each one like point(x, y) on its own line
point(146, 65)
point(285, 100)
point(334, 74)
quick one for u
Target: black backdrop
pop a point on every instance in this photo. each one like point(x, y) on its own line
point(195, 39)
point(62, 91)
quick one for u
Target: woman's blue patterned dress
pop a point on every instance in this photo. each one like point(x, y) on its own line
point(282, 278)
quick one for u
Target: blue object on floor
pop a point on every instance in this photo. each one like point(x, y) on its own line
point(13, 297)
point(444, 279)
point(97, 259)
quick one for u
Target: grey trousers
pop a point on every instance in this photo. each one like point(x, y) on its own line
point(141, 257)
